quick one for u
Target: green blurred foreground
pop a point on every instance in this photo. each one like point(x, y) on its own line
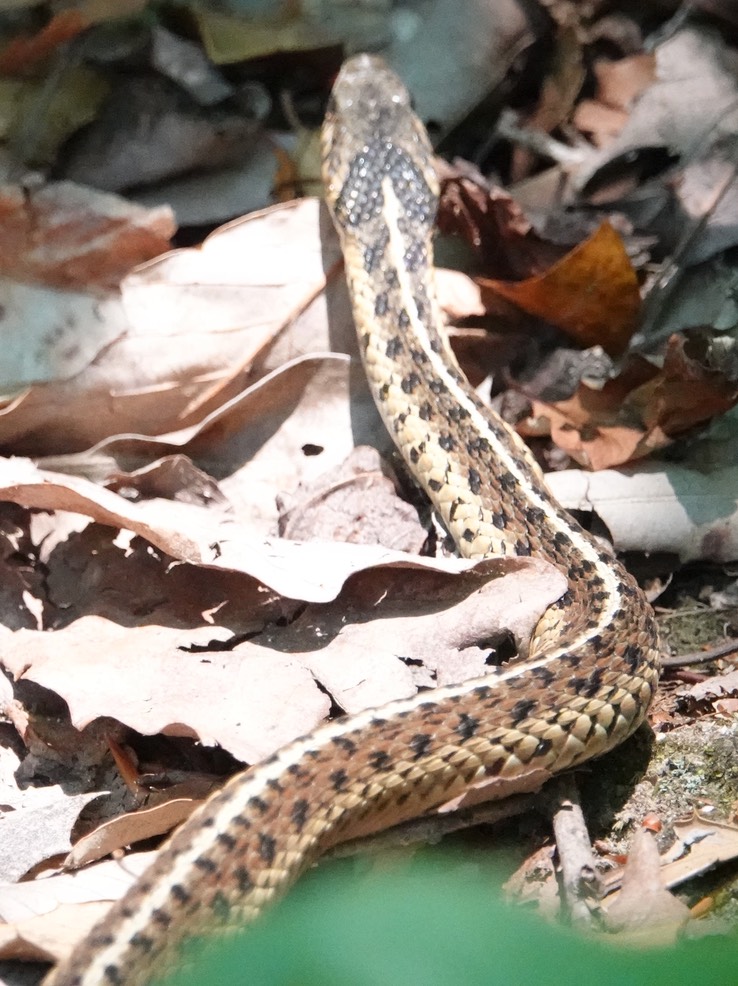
point(434, 927)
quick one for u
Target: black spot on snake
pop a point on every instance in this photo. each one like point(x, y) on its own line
point(632, 656)
point(299, 814)
point(420, 744)
point(243, 879)
point(338, 779)
point(267, 848)
point(507, 481)
point(457, 413)
point(466, 726)
point(478, 446)
point(206, 865)
point(144, 942)
point(345, 743)
point(410, 382)
point(522, 710)
point(544, 675)
point(179, 893)
point(395, 347)
point(379, 760)
point(500, 520)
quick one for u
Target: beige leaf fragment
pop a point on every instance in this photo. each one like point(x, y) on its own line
point(158, 680)
point(716, 687)
point(357, 503)
point(654, 508)
point(50, 937)
point(45, 918)
point(30, 835)
point(423, 629)
point(125, 830)
point(496, 788)
point(644, 909)
point(102, 882)
point(393, 629)
point(701, 844)
point(311, 571)
point(175, 344)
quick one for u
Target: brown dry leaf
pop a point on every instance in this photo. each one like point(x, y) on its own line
point(645, 407)
point(718, 686)
point(251, 700)
point(127, 829)
point(357, 503)
point(255, 696)
point(559, 91)
point(591, 293)
point(311, 571)
point(21, 55)
point(180, 340)
point(44, 918)
point(644, 910)
point(49, 937)
point(75, 238)
point(601, 123)
point(620, 82)
point(490, 220)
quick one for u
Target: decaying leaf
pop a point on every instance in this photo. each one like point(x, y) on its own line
point(644, 909)
point(645, 407)
point(591, 293)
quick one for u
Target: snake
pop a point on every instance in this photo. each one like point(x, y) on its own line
point(592, 663)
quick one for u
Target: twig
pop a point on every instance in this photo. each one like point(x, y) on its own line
point(701, 657)
point(580, 882)
point(432, 828)
point(537, 140)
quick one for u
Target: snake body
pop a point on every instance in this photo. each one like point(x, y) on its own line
point(593, 661)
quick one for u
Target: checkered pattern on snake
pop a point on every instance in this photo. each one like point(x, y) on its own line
point(592, 665)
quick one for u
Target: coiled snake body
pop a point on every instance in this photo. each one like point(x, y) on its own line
point(593, 662)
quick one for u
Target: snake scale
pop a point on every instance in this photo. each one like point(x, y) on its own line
point(593, 660)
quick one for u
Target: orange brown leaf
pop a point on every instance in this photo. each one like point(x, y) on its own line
point(591, 293)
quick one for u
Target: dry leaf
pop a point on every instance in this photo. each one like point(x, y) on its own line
point(645, 407)
point(644, 909)
point(30, 835)
point(591, 293)
point(127, 829)
point(255, 696)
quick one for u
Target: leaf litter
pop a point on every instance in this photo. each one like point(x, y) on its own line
point(198, 429)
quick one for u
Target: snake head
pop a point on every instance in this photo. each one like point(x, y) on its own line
point(370, 135)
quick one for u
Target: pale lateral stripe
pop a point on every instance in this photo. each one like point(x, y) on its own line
point(397, 250)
